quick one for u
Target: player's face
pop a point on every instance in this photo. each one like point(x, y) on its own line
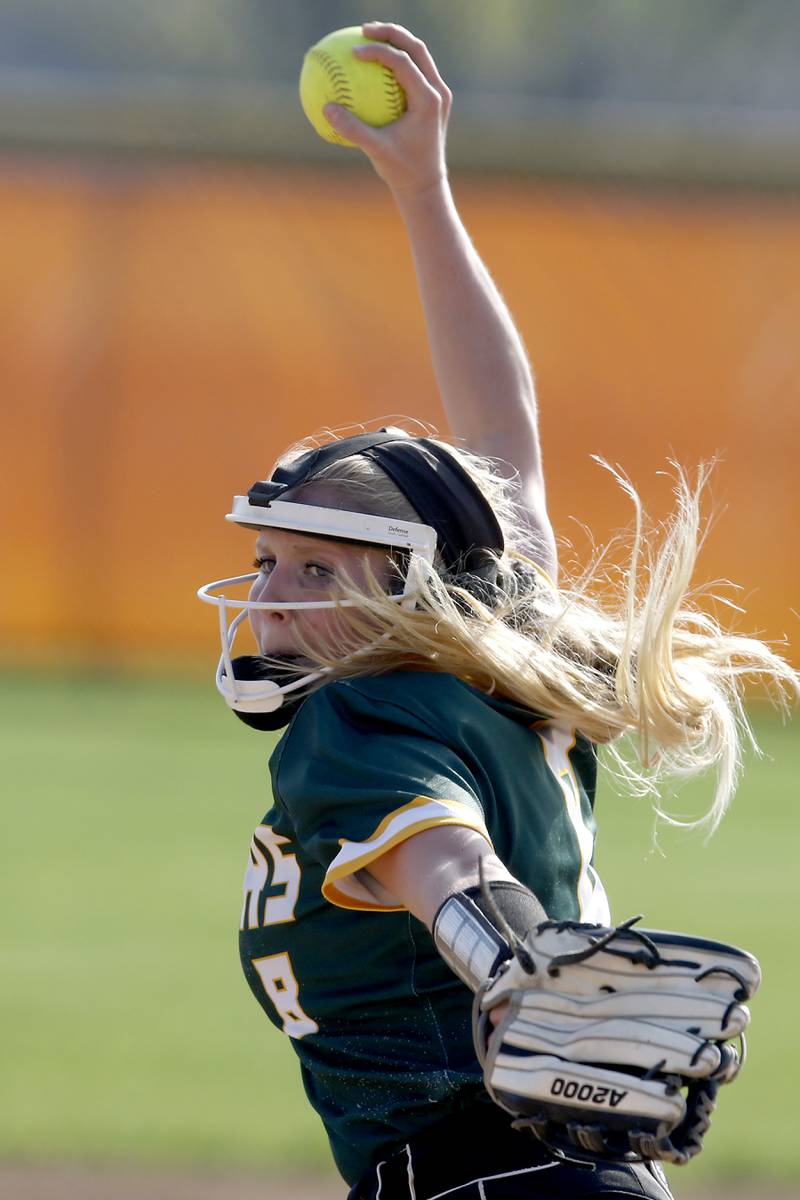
point(296, 566)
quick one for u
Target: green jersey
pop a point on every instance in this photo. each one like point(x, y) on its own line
point(381, 1025)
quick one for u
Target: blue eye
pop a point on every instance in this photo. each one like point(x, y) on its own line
point(318, 571)
point(264, 564)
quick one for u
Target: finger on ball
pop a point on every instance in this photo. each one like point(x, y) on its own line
point(406, 46)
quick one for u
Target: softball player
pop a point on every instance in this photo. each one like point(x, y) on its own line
point(430, 677)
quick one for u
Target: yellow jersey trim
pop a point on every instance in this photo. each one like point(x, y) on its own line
point(460, 814)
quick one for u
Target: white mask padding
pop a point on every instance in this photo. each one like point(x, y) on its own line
point(336, 523)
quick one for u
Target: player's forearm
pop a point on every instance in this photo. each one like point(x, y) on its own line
point(480, 362)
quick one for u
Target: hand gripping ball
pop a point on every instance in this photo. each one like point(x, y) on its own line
point(331, 74)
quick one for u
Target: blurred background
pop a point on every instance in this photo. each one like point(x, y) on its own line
point(191, 280)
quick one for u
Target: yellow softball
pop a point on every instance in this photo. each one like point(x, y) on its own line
point(332, 75)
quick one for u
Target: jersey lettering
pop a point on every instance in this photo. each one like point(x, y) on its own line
point(272, 877)
point(276, 974)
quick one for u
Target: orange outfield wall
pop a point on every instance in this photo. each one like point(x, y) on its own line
point(165, 332)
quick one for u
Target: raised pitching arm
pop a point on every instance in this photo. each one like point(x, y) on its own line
point(479, 359)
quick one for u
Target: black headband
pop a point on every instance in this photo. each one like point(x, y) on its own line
point(431, 479)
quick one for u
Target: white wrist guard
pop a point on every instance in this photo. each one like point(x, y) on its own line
point(473, 930)
point(468, 941)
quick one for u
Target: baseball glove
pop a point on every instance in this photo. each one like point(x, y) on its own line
point(614, 1042)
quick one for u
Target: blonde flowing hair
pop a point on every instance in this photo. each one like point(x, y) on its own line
point(634, 656)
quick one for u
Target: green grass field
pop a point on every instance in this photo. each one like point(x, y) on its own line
point(128, 1031)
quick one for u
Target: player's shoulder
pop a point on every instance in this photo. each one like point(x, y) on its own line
point(418, 701)
point(416, 690)
point(343, 717)
point(414, 699)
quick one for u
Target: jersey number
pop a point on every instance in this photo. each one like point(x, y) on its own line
point(276, 974)
point(271, 870)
